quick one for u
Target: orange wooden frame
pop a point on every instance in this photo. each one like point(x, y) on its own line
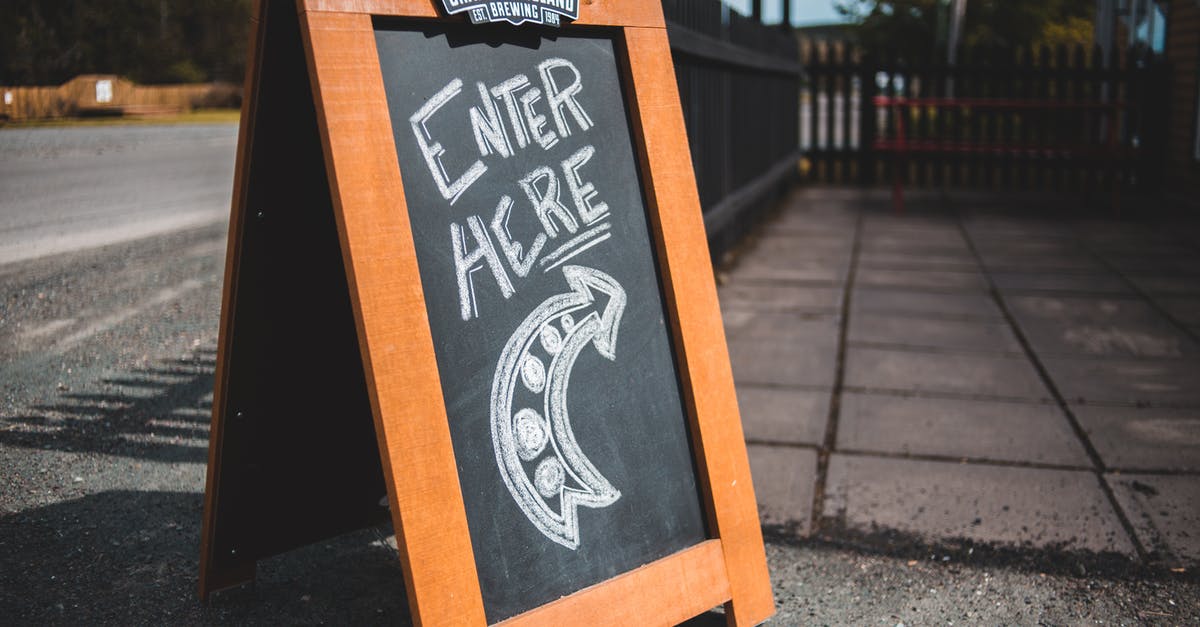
point(398, 352)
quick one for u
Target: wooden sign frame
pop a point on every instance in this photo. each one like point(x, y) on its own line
point(397, 350)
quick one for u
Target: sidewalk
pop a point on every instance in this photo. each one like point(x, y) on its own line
point(975, 373)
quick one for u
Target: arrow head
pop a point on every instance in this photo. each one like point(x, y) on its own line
point(585, 281)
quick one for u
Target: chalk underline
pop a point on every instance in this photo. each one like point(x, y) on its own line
point(575, 246)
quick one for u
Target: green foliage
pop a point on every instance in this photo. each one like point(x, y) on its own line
point(915, 29)
point(47, 42)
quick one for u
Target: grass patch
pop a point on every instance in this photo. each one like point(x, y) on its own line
point(199, 116)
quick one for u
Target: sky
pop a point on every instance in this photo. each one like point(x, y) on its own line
point(804, 12)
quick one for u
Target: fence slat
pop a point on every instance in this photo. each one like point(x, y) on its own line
point(739, 83)
point(1030, 117)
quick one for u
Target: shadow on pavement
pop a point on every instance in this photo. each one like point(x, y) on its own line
point(159, 413)
point(133, 557)
point(968, 553)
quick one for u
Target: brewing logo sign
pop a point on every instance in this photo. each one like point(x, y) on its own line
point(546, 12)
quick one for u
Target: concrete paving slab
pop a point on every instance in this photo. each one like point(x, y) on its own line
point(913, 220)
point(985, 430)
point(1114, 238)
point(835, 239)
point(1047, 282)
point(1033, 237)
point(1155, 264)
point(1167, 285)
point(949, 373)
point(1028, 247)
point(797, 242)
point(770, 362)
point(1139, 246)
point(954, 262)
point(805, 221)
point(1126, 381)
point(919, 303)
point(779, 297)
point(764, 267)
point(815, 217)
point(808, 221)
point(1010, 506)
point(916, 220)
point(1081, 325)
point(934, 279)
point(991, 226)
point(874, 328)
point(1165, 513)
point(913, 246)
point(933, 232)
point(996, 227)
point(800, 248)
point(1143, 438)
point(1185, 309)
point(811, 329)
point(1060, 263)
point(928, 233)
point(784, 478)
point(783, 416)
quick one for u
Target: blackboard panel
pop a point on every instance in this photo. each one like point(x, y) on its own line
point(548, 322)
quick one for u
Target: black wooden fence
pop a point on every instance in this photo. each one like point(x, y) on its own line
point(739, 82)
point(1064, 119)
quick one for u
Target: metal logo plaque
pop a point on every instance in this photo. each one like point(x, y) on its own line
point(515, 12)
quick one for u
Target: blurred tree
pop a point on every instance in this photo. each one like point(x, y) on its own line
point(1074, 31)
point(47, 42)
point(915, 29)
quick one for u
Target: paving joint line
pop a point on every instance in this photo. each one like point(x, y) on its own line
point(764, 281)
point(924, 289)
point(929, 349)
point(1012, 354)
point(962, 459)
point(988, 398)
point(1157, 472)
point(1145, 296)
point(1033, 291)
point(1099, 468)
point(948, 395)
point(927, 288)
point(831, 422)
point(933, 316)
point(804, 312)
point(805, 446)
point(796, 387)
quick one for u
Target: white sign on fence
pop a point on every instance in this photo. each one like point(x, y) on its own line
point(104, 91)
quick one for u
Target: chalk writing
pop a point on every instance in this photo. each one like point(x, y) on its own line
point(561, 215)
point(557, 330)
point(505, 119)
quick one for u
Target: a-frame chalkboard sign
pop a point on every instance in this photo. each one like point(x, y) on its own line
point(468, 287)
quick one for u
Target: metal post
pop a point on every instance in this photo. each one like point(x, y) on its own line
point(786, 23)
point(1106, 25)
point(756, 10)
point(957, 13)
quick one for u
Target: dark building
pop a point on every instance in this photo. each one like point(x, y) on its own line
point(1171, 29)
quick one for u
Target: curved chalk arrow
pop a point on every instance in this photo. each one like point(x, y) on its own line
point(538, 456)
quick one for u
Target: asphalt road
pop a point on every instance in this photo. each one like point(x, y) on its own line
point(107, 348)
point(64, 189)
